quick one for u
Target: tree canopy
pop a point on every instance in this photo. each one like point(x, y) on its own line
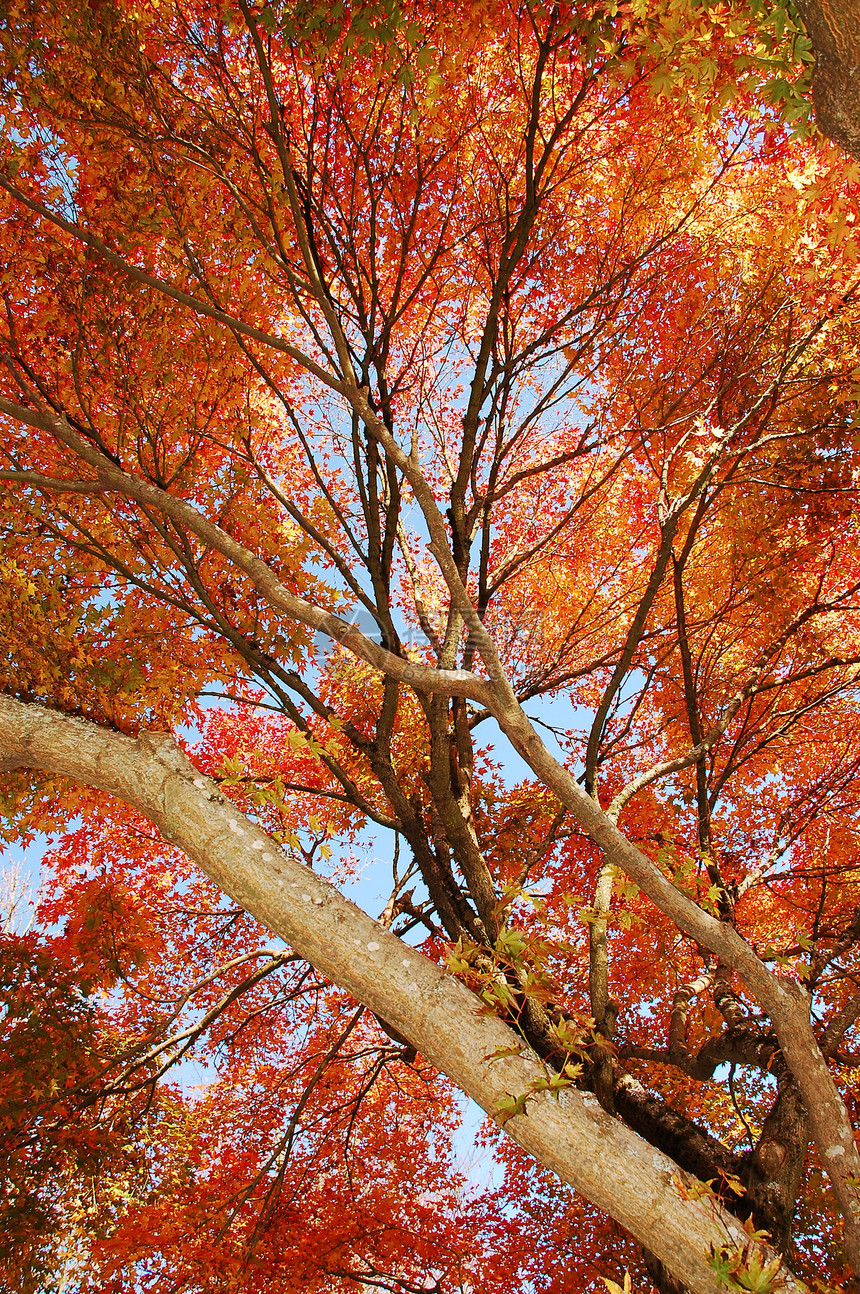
point(429, 476)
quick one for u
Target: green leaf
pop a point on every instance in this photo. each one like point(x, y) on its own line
point(510, 1107)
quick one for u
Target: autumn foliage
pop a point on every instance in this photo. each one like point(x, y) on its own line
point(411, 407)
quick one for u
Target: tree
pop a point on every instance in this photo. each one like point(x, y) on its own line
point(382, 384)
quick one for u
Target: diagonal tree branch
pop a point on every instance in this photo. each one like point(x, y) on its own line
point(110, 477)
point(440, 1017)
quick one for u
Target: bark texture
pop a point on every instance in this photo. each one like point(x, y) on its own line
point(572, 1135)
point(834, 29)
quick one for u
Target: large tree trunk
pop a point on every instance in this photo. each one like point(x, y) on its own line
point(640, 1187)
point(834, 29)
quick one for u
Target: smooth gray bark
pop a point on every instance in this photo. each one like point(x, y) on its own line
point(572, 1135)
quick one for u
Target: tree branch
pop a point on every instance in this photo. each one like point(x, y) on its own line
point(438, 1015)
point(110, 477)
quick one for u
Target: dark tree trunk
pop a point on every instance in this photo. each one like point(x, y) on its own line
point(834, 29)
point(776, 1165)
